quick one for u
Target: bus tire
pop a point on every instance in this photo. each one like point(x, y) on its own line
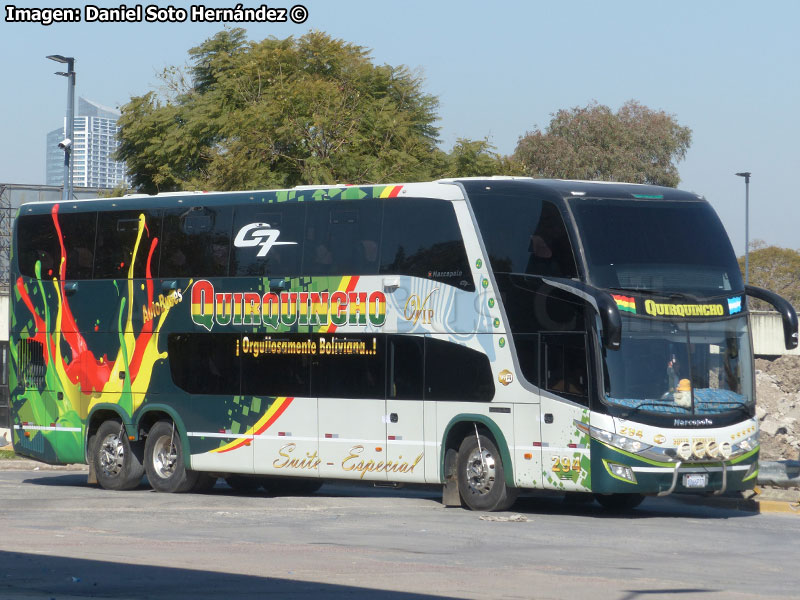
point(117, 462)
point(481, 476)
point(619, 502)
point(164, 460)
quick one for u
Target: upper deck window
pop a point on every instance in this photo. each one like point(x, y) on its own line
point(656, 245)
point(523, 234)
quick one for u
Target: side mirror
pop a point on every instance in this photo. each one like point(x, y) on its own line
point(786, 310)
point(601, 301)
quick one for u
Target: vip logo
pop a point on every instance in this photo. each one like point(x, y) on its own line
point(259, 234)
point(505, 377)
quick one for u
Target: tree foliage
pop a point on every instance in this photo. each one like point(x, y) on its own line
point(635, 144)
point(776, 269)
point(279, 113)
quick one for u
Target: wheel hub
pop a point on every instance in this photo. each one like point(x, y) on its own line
point(165, 457)
point(481, 471)
point(112, 455)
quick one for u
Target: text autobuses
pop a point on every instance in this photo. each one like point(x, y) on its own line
point(153, 13)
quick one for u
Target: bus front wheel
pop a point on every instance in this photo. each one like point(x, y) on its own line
point(164, 460)
point(481, 476)
point(117, 462)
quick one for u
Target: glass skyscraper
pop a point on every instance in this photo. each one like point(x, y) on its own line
point(93, 147)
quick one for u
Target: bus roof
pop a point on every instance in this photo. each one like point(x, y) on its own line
point(445, 189)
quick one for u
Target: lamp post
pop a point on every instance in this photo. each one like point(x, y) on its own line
point(746, 176)
point(66, 144)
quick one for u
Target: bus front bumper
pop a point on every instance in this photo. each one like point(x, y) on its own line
point(615, 471)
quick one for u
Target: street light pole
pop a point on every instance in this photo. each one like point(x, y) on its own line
point(746, 176)
point(66, 145)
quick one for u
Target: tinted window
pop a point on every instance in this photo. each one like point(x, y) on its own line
point(205, 363)
point(343, 238)
point(268, 239)
point(78, 231)
point(454, 372)
point(405, 367)
point(656, 245)
point(197, 241)
point(527, 346)
point(421, 238)
point(37, 242)
point(275, 365)
point(565, 366)
point(117, 232)
point(349, 366)
point(523, 234)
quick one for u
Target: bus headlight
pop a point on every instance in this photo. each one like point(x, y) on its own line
point(699, 449)
point(619, 441)
point(712, 449)
point(725, 450)
point(746, 445)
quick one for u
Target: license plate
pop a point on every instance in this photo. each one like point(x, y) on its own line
point(695, 480)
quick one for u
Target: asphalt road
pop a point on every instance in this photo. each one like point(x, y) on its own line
point(63, 539)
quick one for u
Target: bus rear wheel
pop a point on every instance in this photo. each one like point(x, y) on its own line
point(164, 460)
point(481, 476)
point(117, 462)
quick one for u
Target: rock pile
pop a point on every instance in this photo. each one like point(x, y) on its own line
point(778, 407)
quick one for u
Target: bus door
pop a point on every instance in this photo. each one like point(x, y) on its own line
point(348, 379)
point(404, 416)
point(564, 401)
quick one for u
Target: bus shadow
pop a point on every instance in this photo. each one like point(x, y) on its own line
point(42, 576)
point(533, 503)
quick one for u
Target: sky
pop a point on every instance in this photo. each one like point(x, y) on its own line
point(729, 70)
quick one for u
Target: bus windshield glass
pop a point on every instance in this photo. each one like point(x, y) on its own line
point(680, 368)
point(657, 246)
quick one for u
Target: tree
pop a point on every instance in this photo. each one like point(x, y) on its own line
point(475, 158)
point(636, 145)
point(279, 113)
point(776, 269)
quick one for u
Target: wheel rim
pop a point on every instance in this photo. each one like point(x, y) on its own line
point(481, 471)
point(165, 457)
point(112, 455)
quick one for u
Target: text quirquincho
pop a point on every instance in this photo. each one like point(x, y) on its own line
point(286, 308)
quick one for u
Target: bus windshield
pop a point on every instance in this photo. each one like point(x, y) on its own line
point(680, 368)
point(656, 245)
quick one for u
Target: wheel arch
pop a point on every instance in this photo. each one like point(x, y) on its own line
point(462, 425)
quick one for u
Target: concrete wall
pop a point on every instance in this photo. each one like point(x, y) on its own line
point(768, 335)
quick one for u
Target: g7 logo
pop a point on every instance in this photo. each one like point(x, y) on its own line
point(259, 234)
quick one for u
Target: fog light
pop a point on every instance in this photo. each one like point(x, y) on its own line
point(699, 449)
point(685, 451)
point(712, 448)
point(622, 471)
point(725, 450)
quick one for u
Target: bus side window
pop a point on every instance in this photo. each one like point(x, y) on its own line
point(205, 363)
point(37, 240)
point(79, 231)
point(405, 367)
point(342, 238)
point(117, 232)
point(351, 365)
point(550, 251)
point(273, 251)
point(196, 241)
point(455, 372)
point(565, 366)
point(421, 238)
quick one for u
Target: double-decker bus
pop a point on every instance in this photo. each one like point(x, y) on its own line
point(484, 335)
